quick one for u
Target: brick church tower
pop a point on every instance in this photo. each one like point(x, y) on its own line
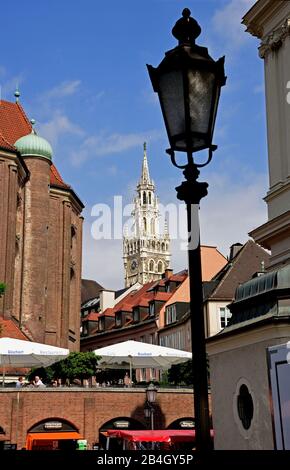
point(146, 252)
point(40, 236)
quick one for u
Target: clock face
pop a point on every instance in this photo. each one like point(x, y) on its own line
point(134, 264)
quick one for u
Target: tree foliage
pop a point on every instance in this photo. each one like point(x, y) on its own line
point(2, 288)
point(181, 374)
point(78, 365)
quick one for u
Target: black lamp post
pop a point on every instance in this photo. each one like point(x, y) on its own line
point(151, 393)
point(188, 83)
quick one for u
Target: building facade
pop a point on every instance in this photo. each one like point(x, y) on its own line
point(40, 236)
point(269, 21)
point(240, 360)
point(146, 253)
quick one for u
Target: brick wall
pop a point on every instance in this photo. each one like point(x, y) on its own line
point(86, 409)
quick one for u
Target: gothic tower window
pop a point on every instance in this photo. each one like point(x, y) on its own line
point(145, 224)
point(149, 198)
point(144, 197)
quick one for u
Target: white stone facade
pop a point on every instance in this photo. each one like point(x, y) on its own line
point(146, 252)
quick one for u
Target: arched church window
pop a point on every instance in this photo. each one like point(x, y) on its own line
point(151, 265)
point(163, 247)
point(160, 266)
point(153, 245)
point(149, 198)
point(145, 224)
point(144, 197)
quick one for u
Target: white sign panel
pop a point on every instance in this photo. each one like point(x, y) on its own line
point(279, 372)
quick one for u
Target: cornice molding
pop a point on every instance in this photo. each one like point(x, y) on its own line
point(275, 39)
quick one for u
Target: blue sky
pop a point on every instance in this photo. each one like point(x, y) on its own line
point(81, 69)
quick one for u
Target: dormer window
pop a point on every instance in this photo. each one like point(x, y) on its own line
point(170, 314)
point(101, 324)
point(136, 315)
point(152, 309)
point(118, 319)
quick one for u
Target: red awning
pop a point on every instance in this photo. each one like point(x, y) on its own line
point(163, 435)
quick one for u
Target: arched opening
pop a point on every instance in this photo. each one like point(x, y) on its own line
point(144, 198)
point(72, 237)
point(53, 434)
point(149, 197)
point(151, 265)
point(121, 423)
point(163, 246)
point(2, 438)
point(145, 224)
point(160, 267)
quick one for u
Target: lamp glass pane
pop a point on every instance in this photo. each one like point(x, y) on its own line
point(201, 88)
point(171, 95)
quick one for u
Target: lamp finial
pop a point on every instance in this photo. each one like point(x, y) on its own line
point(186, 29)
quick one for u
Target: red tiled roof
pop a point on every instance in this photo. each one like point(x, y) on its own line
point(177, 277)
point(163, 296)
point(13, 121)
point(9, 329)
point(15, 124)
point(109, 312)
point(56, 179)
point(92, 316)
point(5, 145)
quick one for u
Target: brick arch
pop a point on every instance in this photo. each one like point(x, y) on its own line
point(176, 423)
point(133, 424)
point(52, 418)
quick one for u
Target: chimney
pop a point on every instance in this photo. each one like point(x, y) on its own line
point(234, 250)
point(107, 299)
point(167, 273)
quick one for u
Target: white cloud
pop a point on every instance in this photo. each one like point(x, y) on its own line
point(227, 22)
point(66, 88)
point(58, 125)
point(108, 144)
point(102, 260)
point(232, 208)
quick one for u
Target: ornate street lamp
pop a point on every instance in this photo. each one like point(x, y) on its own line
point(151, 394)
point(188, 82)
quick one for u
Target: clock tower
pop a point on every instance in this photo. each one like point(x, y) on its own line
point(146, 252)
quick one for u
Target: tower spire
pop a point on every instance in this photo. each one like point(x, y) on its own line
point(145, 177)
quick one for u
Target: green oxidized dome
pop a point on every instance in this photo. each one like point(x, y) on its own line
point(32, 145)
